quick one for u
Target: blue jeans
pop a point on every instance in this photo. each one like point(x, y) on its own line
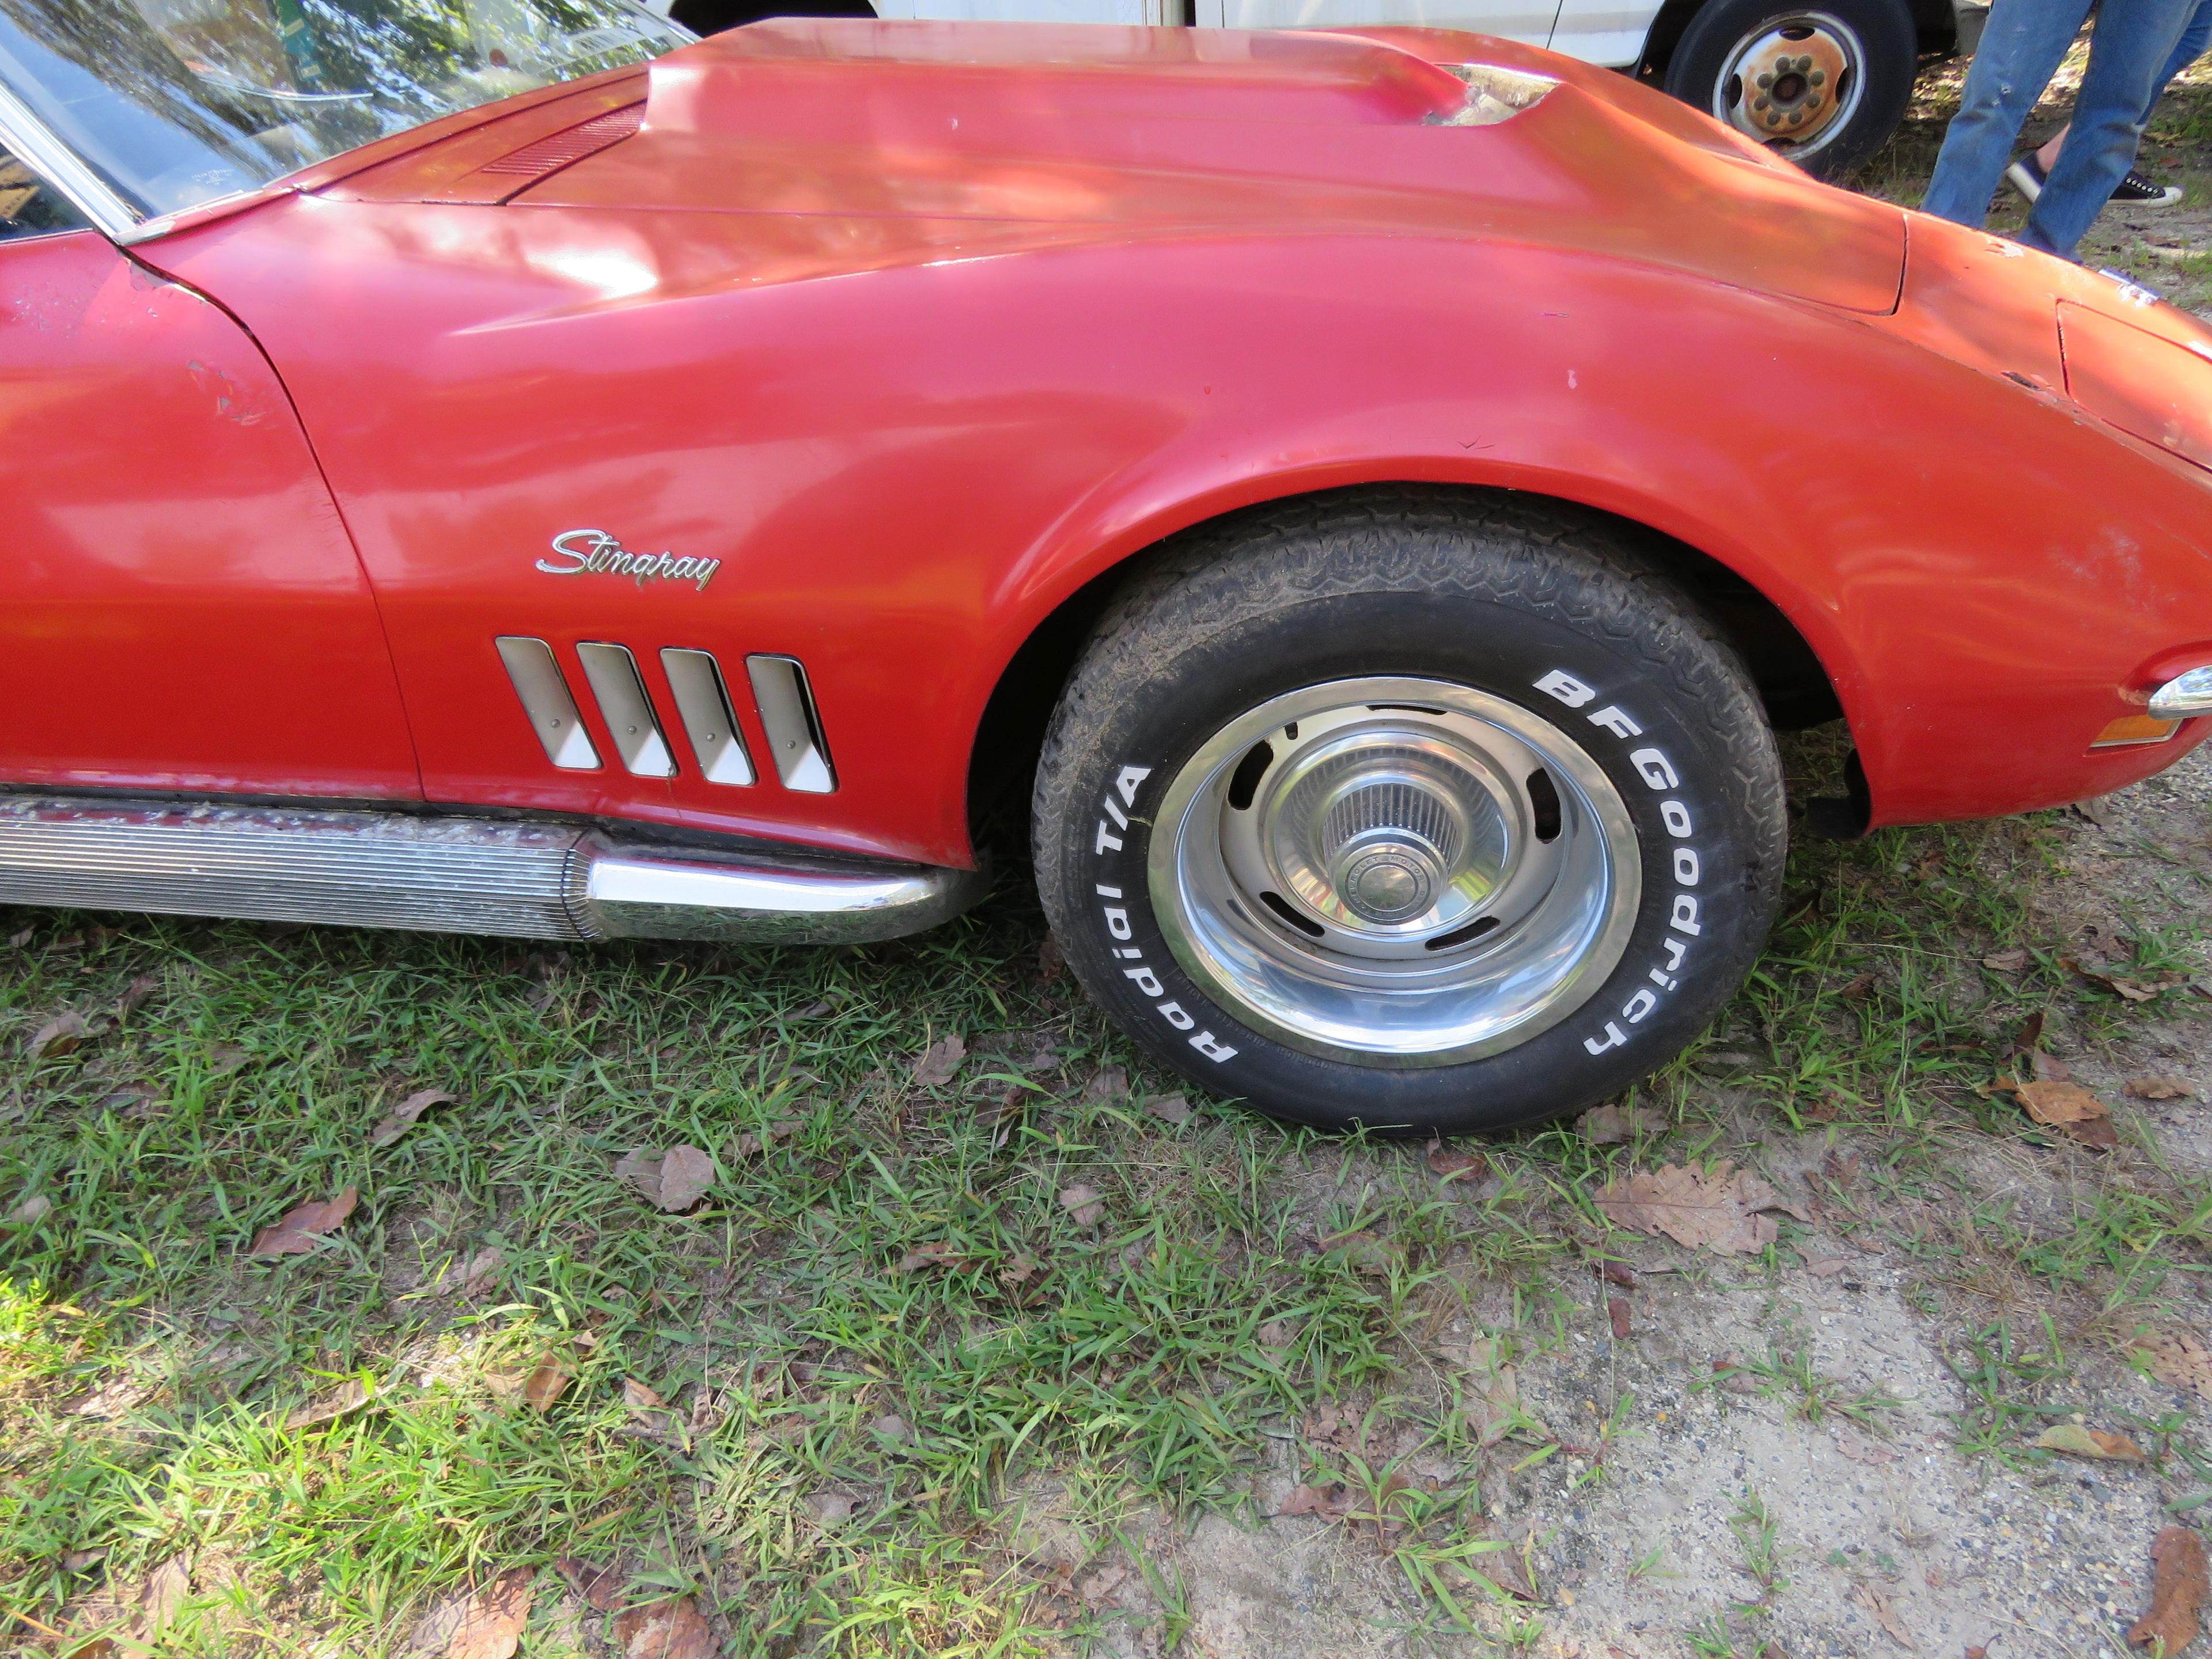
point(2130, 53)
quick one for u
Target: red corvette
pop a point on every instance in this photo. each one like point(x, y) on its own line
point(505, 467)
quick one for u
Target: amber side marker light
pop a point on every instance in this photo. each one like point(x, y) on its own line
point(2134, 729)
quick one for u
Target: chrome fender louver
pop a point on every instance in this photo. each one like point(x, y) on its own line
point(782, 699)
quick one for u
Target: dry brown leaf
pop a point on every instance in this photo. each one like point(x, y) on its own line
point(753, 1142)
point(469, 1276)
point(1615, 1273)
point(492, 1627)
point(65, 1033)
point(1051, 960)
point(1860, 1449)
point(2058, 1104)
point(296, 1232)
point(2179, 1358)
point(2178, 1586)
point(600, 1584)
point(674, 1629)
point(544, 1385)
point(2006, 962)
point(641, 1168)
point(349, 1396)
point(404, 1114)
point(225, 1058)
point(938, 1253)
point(136, 995)
point(163, 1593)
point(686, 1172)
point(1019, 1271)
point(1329, 1503)
point(134, 1100)
point(2071, 1108)
point(1456, 1163)
point(1827, 1267)
point(1504, 1572)
point(1616, 1309)
point(2076, 1441)
point(830, 1510)
point(939, 1062)
point(1276, 1333)
point(1616, 1126)
point(1169, 1109)
point(894, 1428)
point(1365, 1254)
point(1718, 1209)
point(1107, 1082)
point(1878, 1604)
point(83, 1560)
point(1101, 1585)
point(35, 1208)
point(2160, 1088)
point(1086, 1204)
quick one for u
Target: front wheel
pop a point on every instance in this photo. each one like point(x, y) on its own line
point(1825, 85)
point(1419, 813)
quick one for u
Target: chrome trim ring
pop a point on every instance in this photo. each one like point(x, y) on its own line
point(1371, 870)
point(1795, 82)
point(2184, 695)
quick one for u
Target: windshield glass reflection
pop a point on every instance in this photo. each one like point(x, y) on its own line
point(176, 103)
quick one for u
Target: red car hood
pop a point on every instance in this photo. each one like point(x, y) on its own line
point(925, 138)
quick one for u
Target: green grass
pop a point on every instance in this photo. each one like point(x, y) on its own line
point(1240, 1277)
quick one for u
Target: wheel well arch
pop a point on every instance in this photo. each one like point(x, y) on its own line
point(1792, 683)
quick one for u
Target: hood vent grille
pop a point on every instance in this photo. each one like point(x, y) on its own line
point(557, 150)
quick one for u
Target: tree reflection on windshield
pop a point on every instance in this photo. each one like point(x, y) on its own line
point(177, 101)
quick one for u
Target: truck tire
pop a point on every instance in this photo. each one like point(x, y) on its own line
point(1421, 813)
point(1824, 83)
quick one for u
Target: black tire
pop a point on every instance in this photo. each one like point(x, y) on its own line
point(1888, 46)
point(1490, 593)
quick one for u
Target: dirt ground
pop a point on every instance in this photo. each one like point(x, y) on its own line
point(1851, 1484)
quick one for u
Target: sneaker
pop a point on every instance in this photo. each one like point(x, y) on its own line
point(2027, 177)
point(2135, 191)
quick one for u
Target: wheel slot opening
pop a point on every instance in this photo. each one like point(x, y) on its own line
point(1466, 935)
point(1291, 730)
point(1281, 907)
point(1403, 708)
point(1245, 783)
point(1544, 801)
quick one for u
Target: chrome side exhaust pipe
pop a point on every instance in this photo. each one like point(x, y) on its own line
point(450, 874)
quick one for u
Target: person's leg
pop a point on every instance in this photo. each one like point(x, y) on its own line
point(2195, 36)
point(2131, 43)
point(2021, 49)
point(2186, 51)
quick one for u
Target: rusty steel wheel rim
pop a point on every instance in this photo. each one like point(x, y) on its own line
point(1794, 82)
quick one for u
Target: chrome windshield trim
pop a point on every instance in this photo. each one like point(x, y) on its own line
point(30, 142)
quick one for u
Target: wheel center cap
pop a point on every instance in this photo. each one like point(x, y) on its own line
point(1390, 883)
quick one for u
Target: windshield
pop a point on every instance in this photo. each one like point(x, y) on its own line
point(176, 103)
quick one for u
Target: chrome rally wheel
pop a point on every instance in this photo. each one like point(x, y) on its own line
point(1420, 811)
point(1395, 872)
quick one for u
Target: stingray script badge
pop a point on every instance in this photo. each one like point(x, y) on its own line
point(595, 553)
